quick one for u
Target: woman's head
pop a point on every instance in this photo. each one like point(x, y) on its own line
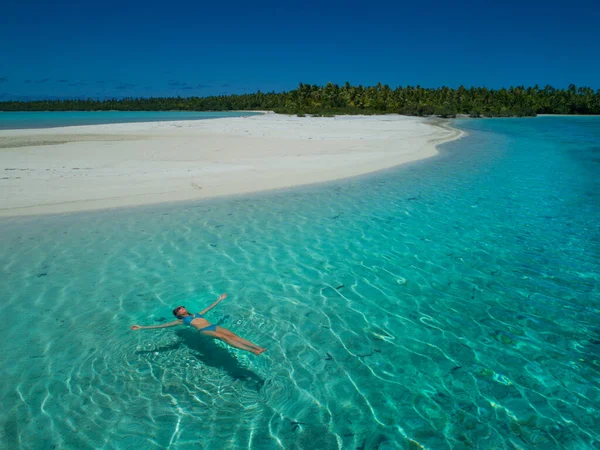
point(180, 311)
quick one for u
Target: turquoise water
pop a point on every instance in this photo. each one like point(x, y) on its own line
point(49, 119)
point(449, 303)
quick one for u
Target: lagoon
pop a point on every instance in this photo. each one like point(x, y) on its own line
point(446, 303)
point(52, 119)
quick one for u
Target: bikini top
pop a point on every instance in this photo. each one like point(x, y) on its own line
point(188, 319)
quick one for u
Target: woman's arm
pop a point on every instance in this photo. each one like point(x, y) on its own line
point(170, 324)
point(219, 300)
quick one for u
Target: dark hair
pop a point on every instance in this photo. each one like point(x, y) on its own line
point(176, 309)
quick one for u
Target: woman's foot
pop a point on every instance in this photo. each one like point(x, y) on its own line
point(259, 351)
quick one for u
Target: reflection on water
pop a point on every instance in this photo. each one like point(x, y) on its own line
point(451, 303)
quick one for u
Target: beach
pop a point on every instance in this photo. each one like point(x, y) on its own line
point(449, 303)
point(58, 170)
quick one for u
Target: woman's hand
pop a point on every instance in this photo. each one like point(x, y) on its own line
point(223, 297)
point(135, 327)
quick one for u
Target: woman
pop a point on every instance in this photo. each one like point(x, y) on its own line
point(205, 327)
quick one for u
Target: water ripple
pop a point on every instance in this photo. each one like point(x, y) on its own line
point(444, 304)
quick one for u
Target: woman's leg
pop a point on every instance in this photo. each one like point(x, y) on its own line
point(234, 337)
point(229, 338)
point(236, 344)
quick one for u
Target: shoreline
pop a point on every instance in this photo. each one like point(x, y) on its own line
point(93, 167)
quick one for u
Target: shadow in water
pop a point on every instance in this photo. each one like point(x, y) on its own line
point(211, 354)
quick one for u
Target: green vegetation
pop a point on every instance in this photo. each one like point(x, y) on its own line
point(347, 99)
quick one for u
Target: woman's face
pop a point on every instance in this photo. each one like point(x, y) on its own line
point(181, 311)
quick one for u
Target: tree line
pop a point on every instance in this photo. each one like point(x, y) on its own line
point(348, 99)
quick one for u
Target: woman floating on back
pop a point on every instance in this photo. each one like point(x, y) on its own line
point(205, 327)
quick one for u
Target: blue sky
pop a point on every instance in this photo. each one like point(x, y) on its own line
point(148, 48)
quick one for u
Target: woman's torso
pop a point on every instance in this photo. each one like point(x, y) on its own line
point(197, 321)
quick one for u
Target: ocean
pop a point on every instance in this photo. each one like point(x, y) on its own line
point(50, 119)
point(447, 303)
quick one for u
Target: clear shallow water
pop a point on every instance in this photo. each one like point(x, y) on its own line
point(49, 119)
point(450, 303)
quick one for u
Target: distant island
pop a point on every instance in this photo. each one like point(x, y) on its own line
point(333, 99)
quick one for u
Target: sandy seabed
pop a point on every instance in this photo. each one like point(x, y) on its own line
point(81, 168)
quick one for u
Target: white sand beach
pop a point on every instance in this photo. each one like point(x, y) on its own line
point(103, 166)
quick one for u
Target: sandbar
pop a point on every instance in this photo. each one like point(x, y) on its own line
point(59, 170)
